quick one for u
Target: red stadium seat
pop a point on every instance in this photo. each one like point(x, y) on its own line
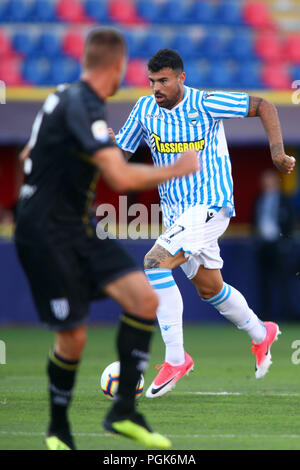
point(123, 11)
point(276, 76)
point(257, 15)
point(73, 45)
point(137, 73)
point(268, 46)
point(10, 72)
point(292, 48)
point(71, 11)
point(6, 49)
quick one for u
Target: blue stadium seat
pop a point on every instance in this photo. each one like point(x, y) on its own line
point(43, 11)
point(64, 70)
point(48, 45)
point(196, 75)
point(214, 45)
point(229, 12)
point(3, 16)
point(248, 75)
point(151, 43)
point(202, 12)
point(221, 76)
point(149, 10)
point(185, 45)
point(133, 41)
point(24, 43)
point(16, 11)
point(36, 71)
point(173, 12)
point(295, 72)
point(240, 47)
point(97, 10)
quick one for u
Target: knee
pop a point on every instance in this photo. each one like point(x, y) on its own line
point(207, 292)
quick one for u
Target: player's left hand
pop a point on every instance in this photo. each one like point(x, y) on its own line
point(285, 163)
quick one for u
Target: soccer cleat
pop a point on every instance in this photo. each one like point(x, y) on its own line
point(59, 439)
point(168, 376)
point(262, 350)
point(54, 443)
point(135, 427)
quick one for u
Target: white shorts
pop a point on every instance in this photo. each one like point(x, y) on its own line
point(196, 233)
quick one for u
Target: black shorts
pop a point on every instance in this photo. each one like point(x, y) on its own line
point(65, 277)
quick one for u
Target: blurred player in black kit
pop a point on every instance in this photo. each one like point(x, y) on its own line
point(66, 264)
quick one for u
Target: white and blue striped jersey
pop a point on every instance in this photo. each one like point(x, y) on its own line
point(195, 123)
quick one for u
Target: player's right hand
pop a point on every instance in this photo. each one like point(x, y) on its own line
point(188, 163)
point(285, 163)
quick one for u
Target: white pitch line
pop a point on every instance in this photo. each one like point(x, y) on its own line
point(253, 392)
point(172, 436)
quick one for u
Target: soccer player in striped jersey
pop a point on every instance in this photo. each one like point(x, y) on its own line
point(196, 209)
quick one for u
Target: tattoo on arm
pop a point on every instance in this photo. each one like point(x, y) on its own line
point(277, 150)
point(254, 105)
point(155, 256)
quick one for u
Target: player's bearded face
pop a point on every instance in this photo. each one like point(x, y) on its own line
point(167, 87)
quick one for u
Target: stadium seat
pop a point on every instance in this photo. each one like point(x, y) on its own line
point(36, 71)
point(123, 11)
point(5, 46)
point(42, 11)
point(10, 72)
point(276, 76)
point(3, 17)
point(137, 73)
point(292, 48)
point(221, 75)
point(202, 12)
point(185, 45)
point(71, 11)
point(295, 72)
point(150, 43)
point(73, 44)
point(248, 75)
point(48, 45)
point(63, 70)
point(257, 15)
point(196, 75)
point(240, 46)
point(173, 12)
point(214, 45)
point(16, 11)
point(149, 10)
point(268, 47)
point(97, 11)
point(229, 12)
point(24, 43)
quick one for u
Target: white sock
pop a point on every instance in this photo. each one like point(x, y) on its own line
point(233, 306)
point(169, 313)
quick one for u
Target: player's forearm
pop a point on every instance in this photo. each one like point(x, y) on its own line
point(139, 176)
point(270, 120)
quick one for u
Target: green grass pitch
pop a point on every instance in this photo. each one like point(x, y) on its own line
point(218, 406)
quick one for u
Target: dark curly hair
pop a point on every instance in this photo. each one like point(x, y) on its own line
point(166, 58)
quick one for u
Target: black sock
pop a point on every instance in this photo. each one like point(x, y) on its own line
point(133, 343)
point(61, 373)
